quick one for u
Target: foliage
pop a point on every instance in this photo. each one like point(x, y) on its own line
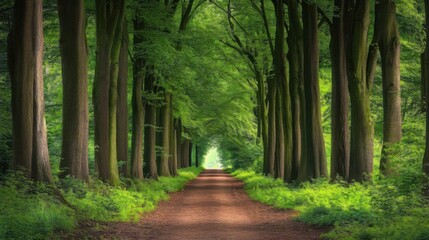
point(391, 208)
point(29, 211)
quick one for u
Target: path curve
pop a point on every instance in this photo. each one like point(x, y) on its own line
point(213, 206)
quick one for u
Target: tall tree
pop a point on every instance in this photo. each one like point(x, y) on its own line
point(389, 45)
point(284, 139)
point(296, 73)
point(150, 168)
point(25, 60)
point(340, 143)
point(122, 111)
point(109, 19)
point(74, 63)
point(137, 103)
point(314, 165)
point(362, 127)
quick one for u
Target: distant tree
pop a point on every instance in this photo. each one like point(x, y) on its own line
point(25, 60)
point(74, 63)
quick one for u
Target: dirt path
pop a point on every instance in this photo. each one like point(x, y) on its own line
point(213, 206)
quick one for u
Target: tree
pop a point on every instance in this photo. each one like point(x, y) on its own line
point(389, 44)
point(25, 55)
point(74, 58)
point(340, 143)
point(122, 111)
point(296, 74)
point(109, 19)
point(314, 165)
point(137, 103)
point(362, 130)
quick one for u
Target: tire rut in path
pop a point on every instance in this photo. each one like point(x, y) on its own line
point(213, 206)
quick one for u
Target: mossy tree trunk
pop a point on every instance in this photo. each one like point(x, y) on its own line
point(74, 63)
point(362, 127)
point(138, 113)
point(389, 45)
point(109, 24)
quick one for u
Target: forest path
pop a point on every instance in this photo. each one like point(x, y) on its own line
point(213, 206)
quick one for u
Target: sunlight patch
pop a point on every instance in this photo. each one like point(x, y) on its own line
point(212, 160)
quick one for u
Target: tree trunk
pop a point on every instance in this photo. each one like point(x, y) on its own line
point(150, 168)
point(122, 112)
point(279, 164)
point(164, 169)
point(109, 23)
point(173, 147)
point(362, 131)
point(185, 153)
point(191, 146)
point(196, 155)
point(74, 63)
point(178, 126)
point(137, 103)
point(282, 82)
point(21, 60)
point(25, 60)
point(340, 145)
point(41, 168)
point(296, 73)
point(425, 66)
point(390, 58)
point(272, 131)
point(316, 156)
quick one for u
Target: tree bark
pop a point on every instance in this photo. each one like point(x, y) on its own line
point(164, 169)
point(296, 74)
point(316, 156)
point(150, 168)
point(389, 45)
point(74, 63)
point(122, 111)
point(25, 61)
point(282, 81)
point(109, 23)
point(191, 146)
point(340, 145)
point(362, 131)
point(41, 168)
point(137, 103)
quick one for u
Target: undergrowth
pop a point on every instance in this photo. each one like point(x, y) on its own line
point(29, 211)
point(391, 208)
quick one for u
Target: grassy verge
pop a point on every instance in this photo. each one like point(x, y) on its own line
point(29, 211)
point(387, 209)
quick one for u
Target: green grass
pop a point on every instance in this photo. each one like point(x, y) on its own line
point(384, 209)
point(28, 211)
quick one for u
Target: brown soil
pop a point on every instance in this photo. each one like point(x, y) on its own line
point(213, 206)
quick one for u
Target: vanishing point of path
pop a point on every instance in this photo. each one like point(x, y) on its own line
point(213, 206)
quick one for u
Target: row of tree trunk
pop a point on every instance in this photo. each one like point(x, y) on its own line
point(25, 58)
point(295, 143)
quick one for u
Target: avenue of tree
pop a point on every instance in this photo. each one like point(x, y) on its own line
point(153, 133)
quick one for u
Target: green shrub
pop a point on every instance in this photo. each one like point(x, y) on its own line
point(389, 208)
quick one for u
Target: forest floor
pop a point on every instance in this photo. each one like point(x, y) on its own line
point(213, 206)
